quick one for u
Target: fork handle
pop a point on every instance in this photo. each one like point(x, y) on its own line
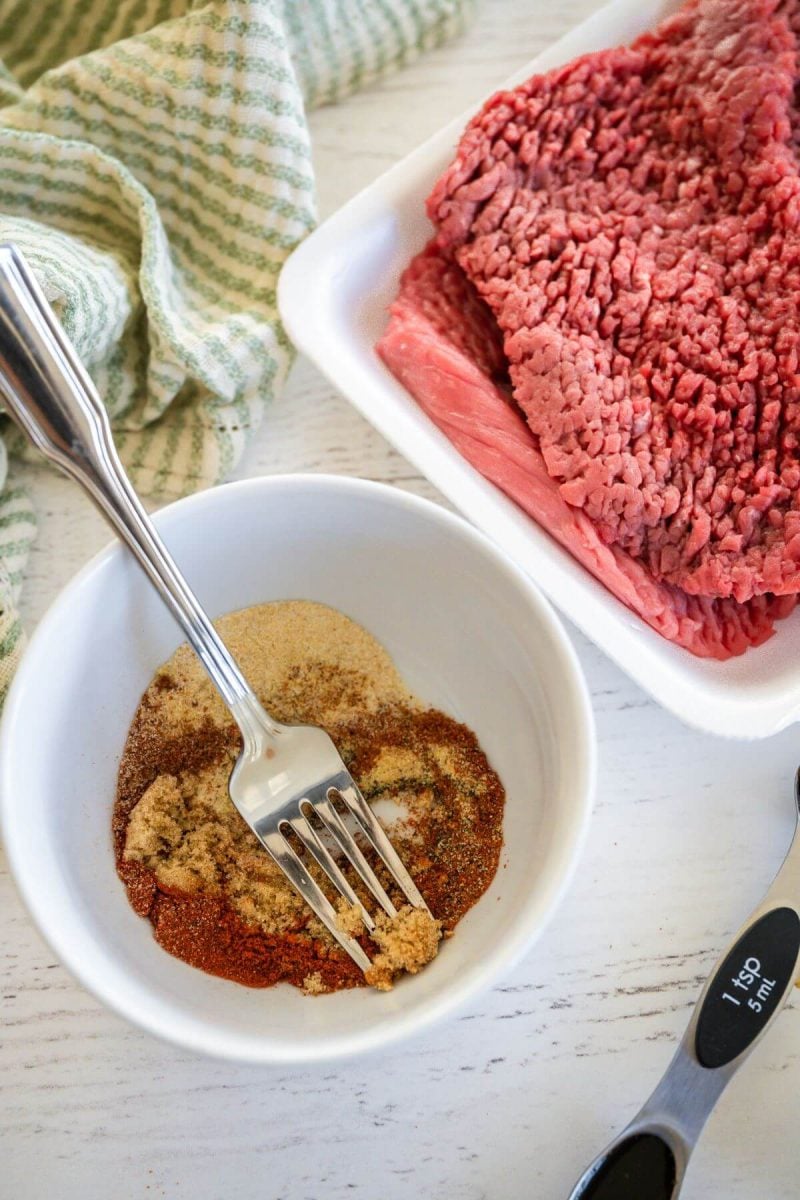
point(48, 393)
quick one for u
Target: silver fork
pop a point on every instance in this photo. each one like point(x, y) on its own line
point(285, 774)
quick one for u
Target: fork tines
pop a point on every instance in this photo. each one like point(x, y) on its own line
point(320, 803)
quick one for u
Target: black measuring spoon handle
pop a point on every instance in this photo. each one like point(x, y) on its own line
point(755, 976)
point(748, 987)
point(744, 994)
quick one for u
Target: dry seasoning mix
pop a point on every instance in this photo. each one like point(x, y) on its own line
point(192, 865)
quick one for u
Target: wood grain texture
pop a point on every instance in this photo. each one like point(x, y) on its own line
point(508, 1100)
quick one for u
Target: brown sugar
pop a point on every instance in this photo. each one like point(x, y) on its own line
point(348, 918)
point(407, 942)
point(192, 865)
point(313, 984)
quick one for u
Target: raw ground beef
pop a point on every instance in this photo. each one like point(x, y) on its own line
point(445, 347)
point(630, 222)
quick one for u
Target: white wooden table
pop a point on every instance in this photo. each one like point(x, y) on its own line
point(508, 1100)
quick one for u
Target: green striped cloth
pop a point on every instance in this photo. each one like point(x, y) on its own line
point(155, 169)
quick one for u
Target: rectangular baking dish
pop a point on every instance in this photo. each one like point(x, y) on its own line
point(334, 293)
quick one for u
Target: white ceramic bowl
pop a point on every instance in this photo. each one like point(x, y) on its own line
point(469, 632)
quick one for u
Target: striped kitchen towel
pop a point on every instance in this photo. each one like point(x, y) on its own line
point(155, 169)
point(17, 527)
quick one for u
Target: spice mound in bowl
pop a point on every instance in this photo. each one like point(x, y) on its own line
point(193, 867)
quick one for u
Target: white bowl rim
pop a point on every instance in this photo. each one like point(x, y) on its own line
point(535, 914)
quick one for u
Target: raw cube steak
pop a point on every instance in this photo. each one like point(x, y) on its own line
point(607, 323)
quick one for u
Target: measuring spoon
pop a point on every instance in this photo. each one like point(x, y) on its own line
point(746, 991)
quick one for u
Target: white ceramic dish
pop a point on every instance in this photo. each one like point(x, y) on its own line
point(334, 292)
point(468, 630)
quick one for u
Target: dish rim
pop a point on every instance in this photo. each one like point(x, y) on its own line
point(711, 697)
